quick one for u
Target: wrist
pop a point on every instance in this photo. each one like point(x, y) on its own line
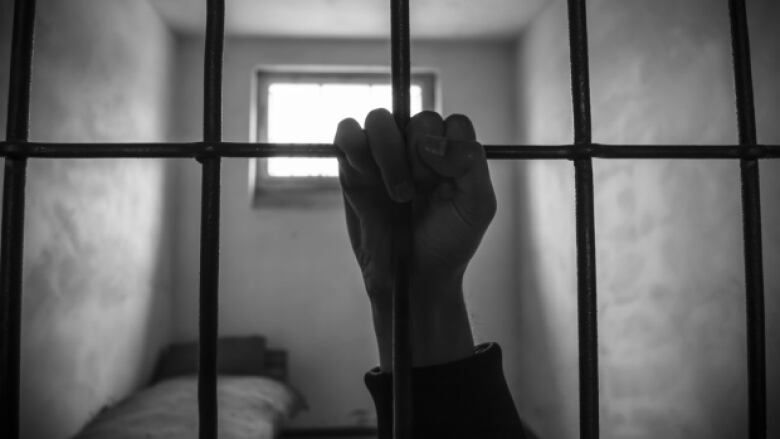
point(440, 331)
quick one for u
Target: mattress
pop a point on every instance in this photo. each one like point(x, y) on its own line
point(250, 407)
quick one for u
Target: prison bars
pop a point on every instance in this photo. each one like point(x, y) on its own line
point(209, 221)
point(16, 149)
point(265, 150)
point(400, 66)
point(12, 235)
point(587, 319)
point(751, 222)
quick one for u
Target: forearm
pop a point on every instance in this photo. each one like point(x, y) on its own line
point(440, 329)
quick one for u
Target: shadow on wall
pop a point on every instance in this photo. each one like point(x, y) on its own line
point(669, 244)
point(96, 263)
point(539, 383)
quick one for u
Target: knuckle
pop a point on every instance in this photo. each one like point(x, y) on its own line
point(427, 114)
point(460, 122)
point(347, 125)
point(460, 126)
point(458, 117)
point(426, 118)
point(377, 115)
point(425, 122)
point(479, 152)
point(348, 135)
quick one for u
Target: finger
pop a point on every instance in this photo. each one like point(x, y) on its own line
point(458, 126)
point(350, 178)
point(353, 226)
point(389, 152)
point(369, 218)
point(421, 125)
point(352, 141)
point(357, 170)
point(358, 174)
point(462, 159)
point(450, 158)
point(457, 151)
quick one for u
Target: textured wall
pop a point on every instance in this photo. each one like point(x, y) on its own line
point(95, 262)
point(288, 272)
point(669, 253)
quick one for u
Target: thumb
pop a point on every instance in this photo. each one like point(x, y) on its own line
point(464, 163)
point(450, 158)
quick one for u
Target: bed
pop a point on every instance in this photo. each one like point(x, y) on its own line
point(253, 395)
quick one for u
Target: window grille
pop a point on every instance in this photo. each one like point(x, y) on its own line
point(17, 149)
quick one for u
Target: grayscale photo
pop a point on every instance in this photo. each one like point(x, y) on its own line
point(390, 219)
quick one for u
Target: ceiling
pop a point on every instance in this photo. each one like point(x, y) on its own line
point(430, 19)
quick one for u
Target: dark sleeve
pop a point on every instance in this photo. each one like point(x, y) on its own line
point(467, 398)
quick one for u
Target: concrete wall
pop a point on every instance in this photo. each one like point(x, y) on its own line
point(96, 270)
point(288, 272)
point(669, 246)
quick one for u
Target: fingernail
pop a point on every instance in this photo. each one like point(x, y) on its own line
point(435, 145)
point(404, 192)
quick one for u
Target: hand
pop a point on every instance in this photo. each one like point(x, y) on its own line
point(443, 173)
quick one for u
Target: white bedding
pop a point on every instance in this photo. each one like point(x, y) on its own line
point(249, 408)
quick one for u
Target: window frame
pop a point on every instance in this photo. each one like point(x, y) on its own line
point(309, 190)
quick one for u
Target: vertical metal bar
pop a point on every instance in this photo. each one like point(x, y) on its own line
point(751, 222)
point(401, 62)
point(12, 234)
point(210, 209)
point(402, 353)
point(586, 244)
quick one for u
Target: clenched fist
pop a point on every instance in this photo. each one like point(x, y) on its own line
point(441, 169)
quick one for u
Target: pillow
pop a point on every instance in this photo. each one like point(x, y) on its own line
point(237, 356)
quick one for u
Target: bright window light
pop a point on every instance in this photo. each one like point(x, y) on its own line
point(310, 113)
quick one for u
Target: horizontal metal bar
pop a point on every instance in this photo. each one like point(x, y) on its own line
point(265, 150)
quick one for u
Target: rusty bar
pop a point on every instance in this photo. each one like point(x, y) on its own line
point(12, 234)
point(209, 235)
point(402, 231)
point(586, 244)
point(751, 223)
